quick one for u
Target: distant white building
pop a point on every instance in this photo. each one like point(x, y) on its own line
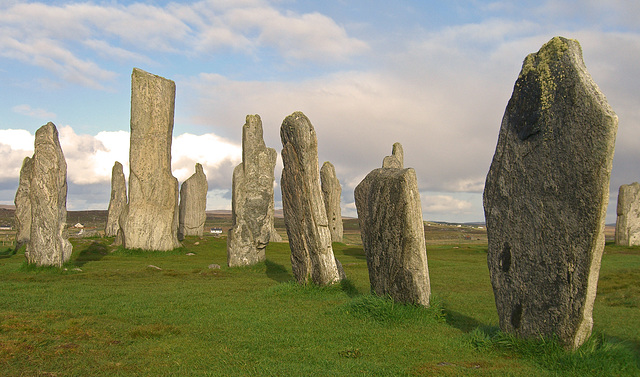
point(79, 226)
point(216, 231)
point(5, 227)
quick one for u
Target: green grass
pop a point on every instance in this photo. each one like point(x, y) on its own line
point(110, 314)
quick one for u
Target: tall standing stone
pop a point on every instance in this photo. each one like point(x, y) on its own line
point(392, 231)
point(252, 198)
point(193, 204)
point(150, 220)
point(331, 192)
point(546, 195)
point(628, 221)
point(23, 204)
point(304, 213)
point(118, 200)
point(48, 244)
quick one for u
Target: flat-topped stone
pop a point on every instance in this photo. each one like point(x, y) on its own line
point(392, 232)
point(150, 220)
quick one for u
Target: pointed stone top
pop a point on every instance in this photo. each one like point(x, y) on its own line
point(396, 160)
point(545, 81)
point(199, 169)
point(298, 131)
point(47, 131)
point(117, 165)
point(296, 127)
point(328, 166)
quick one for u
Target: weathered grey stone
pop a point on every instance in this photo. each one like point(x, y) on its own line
point(274, 236)
point(150, 220)
point(392, 232)
point(48, 244)
point(304, 213)
point(252, 198)
point(628, 221)
point(546, 195)
point(118, 200)
point(23, 204)
point(331, 192)
point(193, 204)
point(396, 160)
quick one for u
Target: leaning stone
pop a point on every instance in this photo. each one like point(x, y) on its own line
point(392, 232)
point(150, 220)
point(396, 160)
point(252, 198)
point(193, 204)
point(117, 202)
point(23, 204)
point(304, 213)
point(331, 192)
point(546, 196)
point(628, 210)
point(48, 241)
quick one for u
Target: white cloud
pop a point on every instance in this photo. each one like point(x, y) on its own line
point(15, 145)
point(53, 36)
point(210, 150)
point(35, 113)
point(444, 204)
point(18, 140)
point(90, 158)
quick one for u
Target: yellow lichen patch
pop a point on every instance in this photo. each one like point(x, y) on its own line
point(543, 68)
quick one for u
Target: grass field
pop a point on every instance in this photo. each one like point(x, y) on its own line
point(111, 314)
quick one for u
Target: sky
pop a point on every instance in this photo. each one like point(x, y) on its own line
point(435, 76)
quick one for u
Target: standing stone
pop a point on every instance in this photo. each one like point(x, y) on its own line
point(23, 204)
point(396, 160)
point(118, 200)
point(304, 213)
point(252, 198)
point(546, 196)
point(628, 222)
point(48, 244)
point(193, 204)
point(150, 220)
point(331, 192)
point(392, 231)
point(274, 236)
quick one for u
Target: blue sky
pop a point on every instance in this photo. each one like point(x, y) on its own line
point(433, 75)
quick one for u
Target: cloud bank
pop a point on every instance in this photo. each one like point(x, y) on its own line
point(438, 87)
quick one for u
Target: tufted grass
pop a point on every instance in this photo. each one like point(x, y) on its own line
point(111, 314)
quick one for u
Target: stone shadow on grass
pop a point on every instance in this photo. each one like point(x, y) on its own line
point(8, 252)
point(460, 321)
point(277, 272)
point(94, 252)
point(356, 252)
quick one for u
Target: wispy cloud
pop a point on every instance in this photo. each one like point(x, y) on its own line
point(35, 113)
point(53, 36)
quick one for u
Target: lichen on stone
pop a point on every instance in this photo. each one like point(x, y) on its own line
point(541, 65)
